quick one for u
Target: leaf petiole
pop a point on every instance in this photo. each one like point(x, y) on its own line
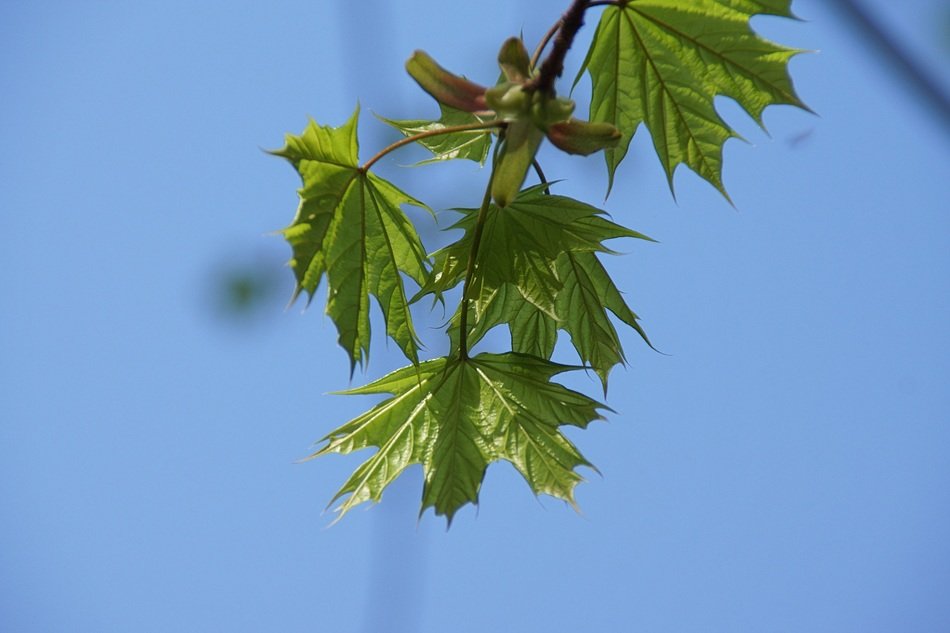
point(452, 129)
point(536, 57)
point(473, 254)
point(541, 176)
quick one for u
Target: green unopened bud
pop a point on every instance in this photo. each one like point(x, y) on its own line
point(451, 90)
point(583, 137)
point(522, 140)
point(513, 60)
point(546, 110)
point(508, 100)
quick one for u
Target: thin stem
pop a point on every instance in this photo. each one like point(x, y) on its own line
point(541, 177)
point(544, 42)
point(607, 3)
point(557, 26)
point(452, 129)
point(473, 254)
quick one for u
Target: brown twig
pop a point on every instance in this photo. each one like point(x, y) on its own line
point(553, 65)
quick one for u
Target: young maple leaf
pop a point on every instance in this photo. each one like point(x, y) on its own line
point(662, 63)
point(455, 417)
point(470, 144)
point(549, 279)
point(349, 226)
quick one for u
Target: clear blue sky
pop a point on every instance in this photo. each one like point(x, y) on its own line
point(784, 468)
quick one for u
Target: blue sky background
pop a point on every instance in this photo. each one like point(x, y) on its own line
point(783, 468)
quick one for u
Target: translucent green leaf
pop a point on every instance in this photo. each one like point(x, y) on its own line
point(455, 417)
point(581, 310)
point(556, 238)
point(471, 144)
point(662, 62)
point(587, 295)
point(349, 225)
point(520, 245)
point(533, 331)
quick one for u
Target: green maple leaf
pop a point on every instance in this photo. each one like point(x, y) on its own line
point(563, 285)
point(582, 307)
point(471, 144)
point(581, 310)
point(533, 331)
point(349, 226)
point(662, 62)
point(455, 417)
point(520, 244)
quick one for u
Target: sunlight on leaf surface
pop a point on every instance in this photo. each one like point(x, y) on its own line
point(349, 225)
point(549, 278)
point(471, 144)
point(662, 62)
point(455, 417)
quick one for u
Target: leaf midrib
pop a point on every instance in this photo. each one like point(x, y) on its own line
point(726, 61)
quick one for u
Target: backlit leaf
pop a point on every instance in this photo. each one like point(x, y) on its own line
point(520, 245)
point(662, 62)
point(455, 417)
point(349, 225)
point(581, 310)
point(588, 294)
point(556, 239)
point(471, 144)
point(532, 331)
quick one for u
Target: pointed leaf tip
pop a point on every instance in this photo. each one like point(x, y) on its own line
point(514, 61)
point(350, 228)
point(662, 64)
point(550, 280)
point(472, 144)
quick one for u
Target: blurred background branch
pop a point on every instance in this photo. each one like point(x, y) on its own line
point(869, 28)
